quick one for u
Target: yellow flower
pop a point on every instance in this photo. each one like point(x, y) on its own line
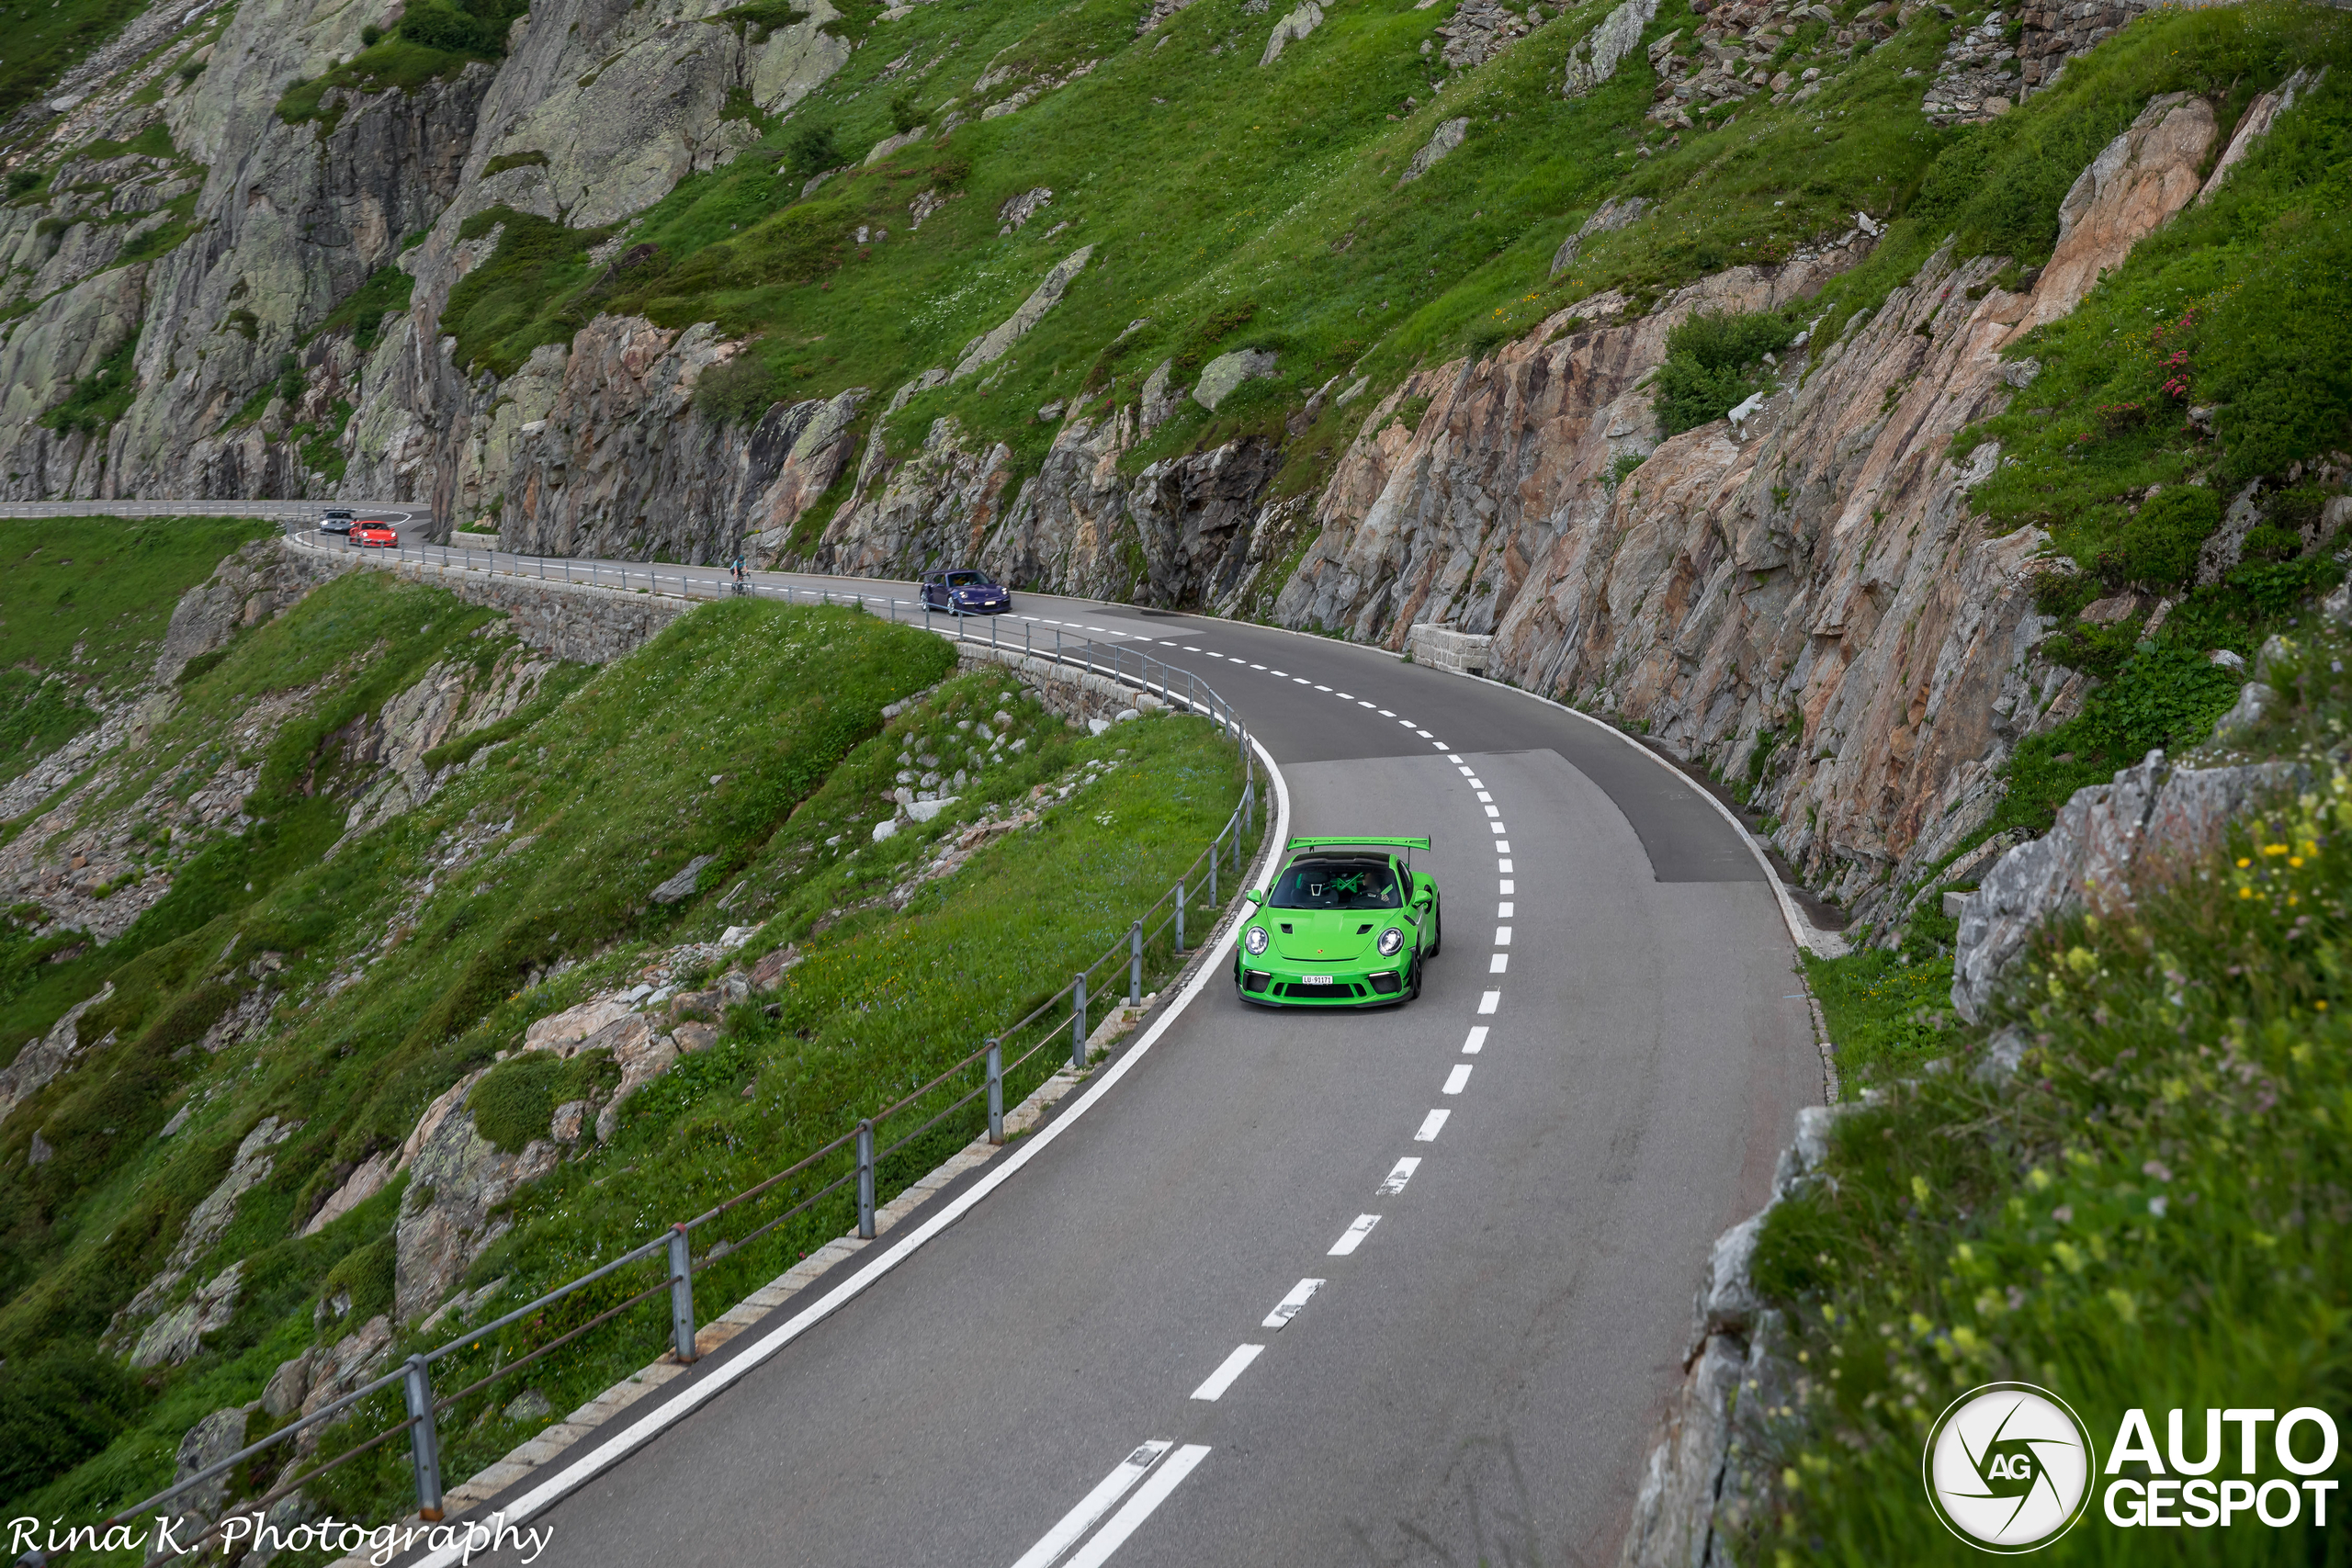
point(2243, 862)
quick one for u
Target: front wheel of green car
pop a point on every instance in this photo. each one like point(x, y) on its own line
point(1436, 932)
point(1413, 986)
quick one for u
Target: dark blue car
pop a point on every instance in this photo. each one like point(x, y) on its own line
point(965, 592)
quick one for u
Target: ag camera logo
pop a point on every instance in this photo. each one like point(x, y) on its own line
point(2008, 1467)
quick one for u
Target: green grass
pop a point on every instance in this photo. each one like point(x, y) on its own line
point(1247, 206)
point(858, 1025)
point(385, 293)
point(39, 43)
point(1886, 1008)
point(609, 788)
point(93, 403)
point(82, 615)
point(2150, 1215)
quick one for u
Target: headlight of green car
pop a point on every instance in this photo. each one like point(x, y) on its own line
point(1391, 941)
point(1255, 939)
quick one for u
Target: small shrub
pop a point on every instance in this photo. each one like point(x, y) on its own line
point(1712, 364)
point(811, 150)
point(367, 1274)
point(370, 36)
point(57, 1409)
point(904, 116)
point(739, 391)
point(513, 1103)
point(2157, 549)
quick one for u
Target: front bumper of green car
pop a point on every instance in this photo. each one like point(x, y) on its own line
point(1272, 981)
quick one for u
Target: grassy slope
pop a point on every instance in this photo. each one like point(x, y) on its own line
point(2151, 1215)
point(84, 613)
point(1230, 204)
point(778, 704)
point(859, 1025)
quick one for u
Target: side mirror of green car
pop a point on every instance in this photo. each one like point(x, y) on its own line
point(1255, 897)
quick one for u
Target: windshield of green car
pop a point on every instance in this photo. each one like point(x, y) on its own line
point(1343, 885)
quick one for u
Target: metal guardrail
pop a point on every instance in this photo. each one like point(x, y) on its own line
point(674, 1246)
point(1110, 659)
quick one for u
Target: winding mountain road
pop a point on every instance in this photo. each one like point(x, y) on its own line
point(1408, 1286)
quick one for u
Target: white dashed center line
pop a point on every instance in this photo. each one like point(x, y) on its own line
point(1503, 866)
point(1395, 1182)
point(1490, 1001)
point(1431, 1126)
point(1233, 1367)
point(1458, 1079)
point(1292, 1305)
point(1502, 934)
point(1477, 1041)
point(1352, 1237)
point(1503, 910)
point(1501, 962)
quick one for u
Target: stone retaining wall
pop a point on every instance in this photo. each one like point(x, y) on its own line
point(1442, 648)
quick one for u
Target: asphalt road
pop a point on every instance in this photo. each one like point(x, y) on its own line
point(1617, 1043)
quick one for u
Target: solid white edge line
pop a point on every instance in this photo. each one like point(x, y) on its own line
point(1093, 1505)
point(1213, 1387)
point(699, 1390)
point(1127, 1521)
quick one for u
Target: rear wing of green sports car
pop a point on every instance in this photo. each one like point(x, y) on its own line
point(1386, 843)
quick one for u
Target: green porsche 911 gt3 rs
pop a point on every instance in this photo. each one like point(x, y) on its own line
point(1346, 924)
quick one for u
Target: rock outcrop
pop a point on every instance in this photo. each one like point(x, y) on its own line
point(1809, 580)
point(2108, 839)
point(160, 1330)
point(1741, 1395)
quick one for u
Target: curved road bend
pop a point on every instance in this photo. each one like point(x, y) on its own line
point(1595, 1082)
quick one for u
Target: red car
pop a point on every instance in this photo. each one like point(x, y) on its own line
point(379, 535)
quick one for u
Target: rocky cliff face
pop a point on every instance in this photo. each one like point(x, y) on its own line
point(1802, 588)
point(1807, 580)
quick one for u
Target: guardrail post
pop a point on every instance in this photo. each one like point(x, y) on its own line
point(1135, 964)
point(1214, 902)
point(1078, 1023)
point(682, 1296)
point(424, 1442)
point(996, 1092)
point(865, 1180)
point(1180, 917)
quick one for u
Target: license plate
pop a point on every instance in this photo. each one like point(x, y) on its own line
point(1315, 979)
